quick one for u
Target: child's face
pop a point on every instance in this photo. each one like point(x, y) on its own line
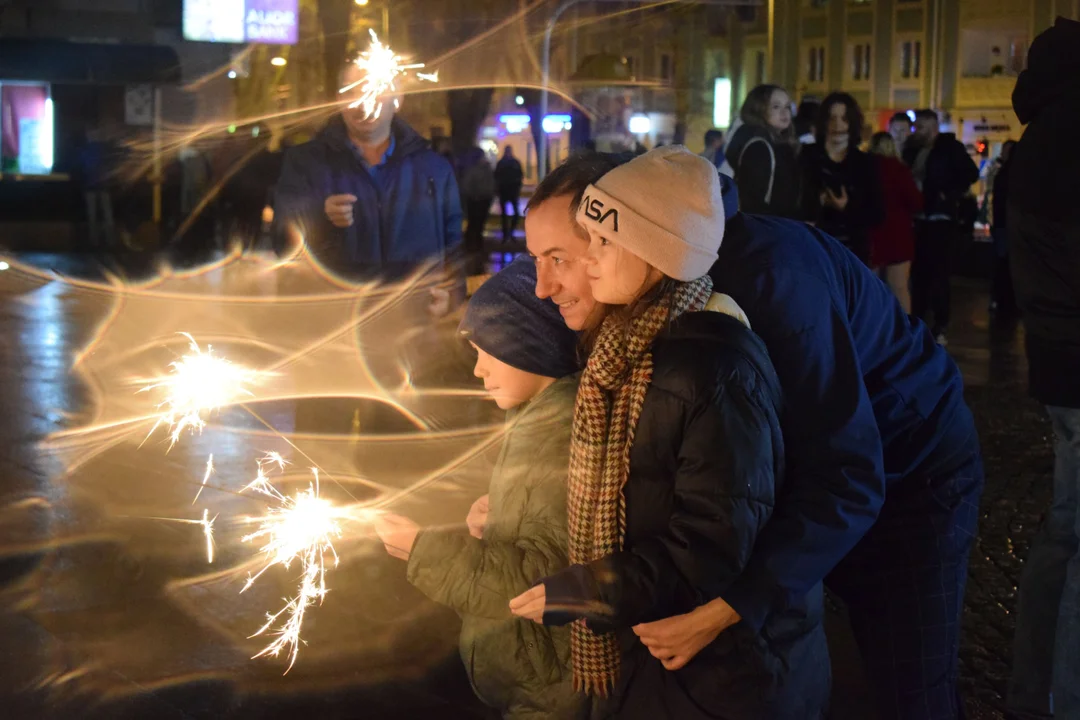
point(617, 276)
point(508, 386)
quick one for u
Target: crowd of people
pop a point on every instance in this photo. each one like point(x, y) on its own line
point(716, 409)
point(896, 207)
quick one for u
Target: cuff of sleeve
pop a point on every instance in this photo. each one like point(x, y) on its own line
point(428, 550)
point(568, 594)
point(750, 601)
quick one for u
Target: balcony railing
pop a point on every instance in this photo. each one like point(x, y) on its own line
point(985, 92)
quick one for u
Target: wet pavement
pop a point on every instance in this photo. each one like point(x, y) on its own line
point(98, 619)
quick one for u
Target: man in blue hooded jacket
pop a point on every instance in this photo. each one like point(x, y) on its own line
point(884, 471)
point(368, 196)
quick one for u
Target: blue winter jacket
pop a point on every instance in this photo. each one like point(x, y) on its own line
point(408, 210)
point(870, 398)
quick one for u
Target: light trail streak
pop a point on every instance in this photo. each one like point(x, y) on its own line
point(206, 476)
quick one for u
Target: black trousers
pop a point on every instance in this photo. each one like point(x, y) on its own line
point(930, 272)
point(509, 220)
point(476, 217)
point(904, 584)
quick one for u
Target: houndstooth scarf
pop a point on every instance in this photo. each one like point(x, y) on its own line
point(609, 400)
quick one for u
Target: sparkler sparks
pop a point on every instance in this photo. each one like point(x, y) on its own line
point(207, 524)
point(381, 68)
point(300, 528)
point(206, 476)
point(199, 382)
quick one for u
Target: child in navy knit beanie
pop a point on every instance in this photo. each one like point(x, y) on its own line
point(517, 533)
point(522, 341)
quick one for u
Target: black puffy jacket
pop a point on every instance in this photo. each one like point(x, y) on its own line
point(950, 173)
point(1044, 217)
point(705, 468)
point(766, 172)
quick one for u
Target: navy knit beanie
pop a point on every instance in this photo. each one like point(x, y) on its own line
point(506, 320)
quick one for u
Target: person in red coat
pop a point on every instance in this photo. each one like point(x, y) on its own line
point(892, 243)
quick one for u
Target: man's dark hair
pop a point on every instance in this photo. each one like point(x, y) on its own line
point(852, 112)
point(575, 175)
point(900, 117)
point(712, 136)
point(927, 114)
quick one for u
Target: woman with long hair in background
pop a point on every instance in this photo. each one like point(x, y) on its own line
point(841, 190)
point(763, 153)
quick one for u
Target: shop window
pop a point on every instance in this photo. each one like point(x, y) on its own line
point(26, 128)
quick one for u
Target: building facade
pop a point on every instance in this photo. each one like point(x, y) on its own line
point(960, 57)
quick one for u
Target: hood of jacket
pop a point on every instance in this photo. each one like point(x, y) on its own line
point(1052, 71)
point(406, 140)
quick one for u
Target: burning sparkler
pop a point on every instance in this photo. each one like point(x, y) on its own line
point(199, 382)
point(381, 68)
point(300, 528)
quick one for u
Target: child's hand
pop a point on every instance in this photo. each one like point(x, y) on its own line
point(530, 604)
point(397, 532)
point(439, 305)
point(477, 518)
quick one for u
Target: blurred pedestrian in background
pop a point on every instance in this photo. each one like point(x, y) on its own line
point(714, 147)
point(900, 130)
point(371, 199)
point(944, 172)
point(94, 169)
point(805, 119)
point(763, 153)
point(841, 189)
point(1002, 297)
point(1044, 251)
point(477, 194)
point(892, 243)
point(509, 178)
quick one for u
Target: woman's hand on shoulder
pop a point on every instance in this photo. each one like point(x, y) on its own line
point(674, 641)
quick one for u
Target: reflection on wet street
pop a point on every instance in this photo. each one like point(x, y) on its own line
point(109, 612)
point(112, 610)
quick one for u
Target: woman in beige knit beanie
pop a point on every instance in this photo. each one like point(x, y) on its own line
point(675, 456)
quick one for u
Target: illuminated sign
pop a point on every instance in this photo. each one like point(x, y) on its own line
point(640, 124)
point(721, 112)
point(274, 22)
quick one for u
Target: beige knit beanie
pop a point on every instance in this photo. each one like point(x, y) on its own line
point(663, 206)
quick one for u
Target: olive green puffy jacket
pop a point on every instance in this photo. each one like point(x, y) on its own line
point(515, 665)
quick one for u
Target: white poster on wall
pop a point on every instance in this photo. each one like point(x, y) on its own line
point(139, 105)
point(31, 157)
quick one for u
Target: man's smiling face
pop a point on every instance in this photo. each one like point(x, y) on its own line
point(560, 247)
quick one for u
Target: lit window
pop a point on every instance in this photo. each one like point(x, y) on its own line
point(665, 67)
point(860, 61)
point(815, 64)
point(911, 59)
